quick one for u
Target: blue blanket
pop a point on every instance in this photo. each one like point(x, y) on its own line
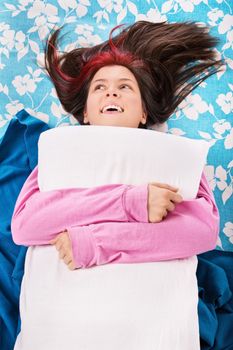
point(18, 157)
point(215, 308)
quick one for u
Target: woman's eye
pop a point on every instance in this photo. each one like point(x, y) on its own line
point(99, 87)
point(102, 87)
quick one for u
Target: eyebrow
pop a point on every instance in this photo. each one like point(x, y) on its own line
point(103, 80)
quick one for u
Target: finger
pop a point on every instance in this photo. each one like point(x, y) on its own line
point(176, 198)
point(170, 206)
point(62, 254)
point(166, 186)
point(67, 259)
point(71, 265)
point(66, 247)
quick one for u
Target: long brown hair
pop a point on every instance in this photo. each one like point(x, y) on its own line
point(168, 61)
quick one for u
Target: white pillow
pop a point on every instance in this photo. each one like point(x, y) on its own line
point(107, 155)
point(114, 306)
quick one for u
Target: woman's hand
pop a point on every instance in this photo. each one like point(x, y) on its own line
point(63, 245)
point(161, 199)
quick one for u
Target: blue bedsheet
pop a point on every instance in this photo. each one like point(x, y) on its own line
point(215, 309)
point(18, 157)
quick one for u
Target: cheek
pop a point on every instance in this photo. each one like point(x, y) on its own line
point(136, 104)
point(92, 105)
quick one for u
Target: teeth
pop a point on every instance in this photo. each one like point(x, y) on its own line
point(118, 108)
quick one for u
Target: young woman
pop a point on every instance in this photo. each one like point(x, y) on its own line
point(135, 79)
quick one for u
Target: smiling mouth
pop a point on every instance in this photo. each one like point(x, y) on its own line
point(111, 112)
point(111, 109)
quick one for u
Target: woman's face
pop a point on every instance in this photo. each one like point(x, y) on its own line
point(114, 99)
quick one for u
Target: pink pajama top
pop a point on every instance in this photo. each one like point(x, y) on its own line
point(109, 224)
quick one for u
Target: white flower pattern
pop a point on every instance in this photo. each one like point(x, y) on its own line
point(24, 84)
point(228, 230)
point(7, 39)
point(193, 105)
point(13, 107)
point(226, 102)
point(45, 17)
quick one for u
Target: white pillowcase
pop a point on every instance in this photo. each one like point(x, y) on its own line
point(106, 155)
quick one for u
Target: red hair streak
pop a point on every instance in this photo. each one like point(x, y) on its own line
point(113, 56)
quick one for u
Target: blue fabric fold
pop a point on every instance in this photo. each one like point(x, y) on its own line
point(215, 307)
point(18, 157)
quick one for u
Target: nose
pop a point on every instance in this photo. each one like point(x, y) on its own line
point(113, 93)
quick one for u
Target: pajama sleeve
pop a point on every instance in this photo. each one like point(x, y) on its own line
point(39, 216)
point(192, 228)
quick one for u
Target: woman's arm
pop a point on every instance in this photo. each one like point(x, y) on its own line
point(39, 216)
point(192, 228)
